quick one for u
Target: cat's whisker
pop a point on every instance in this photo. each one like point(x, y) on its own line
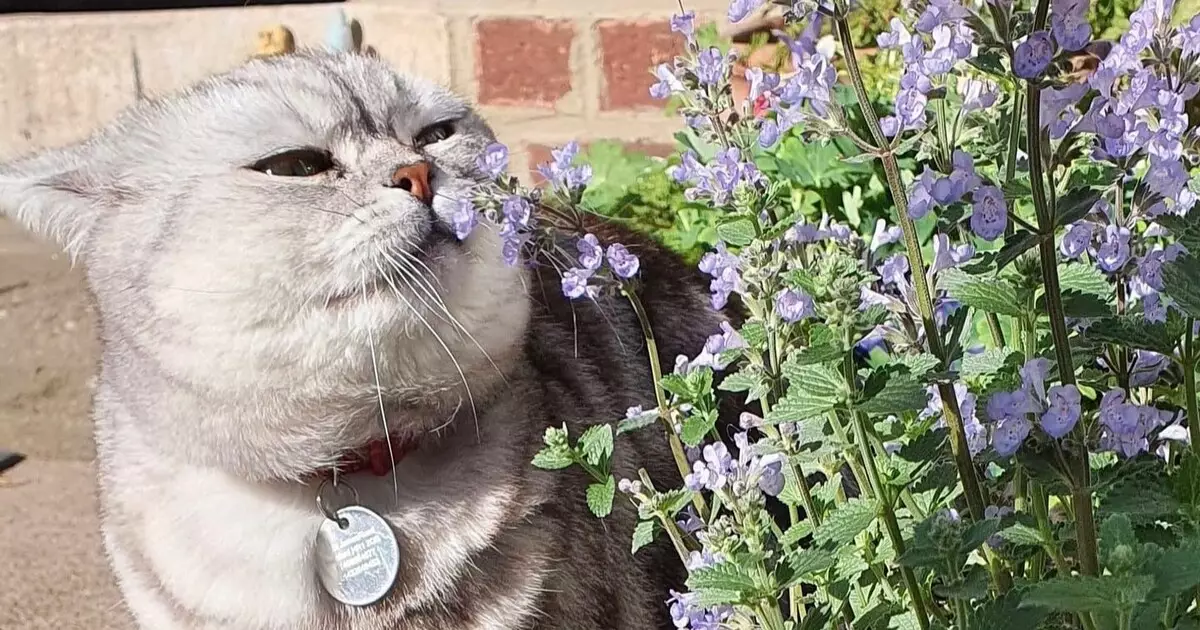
point(379, 395)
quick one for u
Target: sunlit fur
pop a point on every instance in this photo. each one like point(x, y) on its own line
point(256, 328)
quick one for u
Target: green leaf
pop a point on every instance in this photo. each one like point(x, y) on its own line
point(597, 443)
point(1014, 246)
point(740, 381)
point(1081, 593)
point(1075, 205)
point(1083, 278)
point(796, 533)
point(805, 562)
point(600, 497)
point(823, 353)
point(989, 294)
point(1181, 281)
point(553, 458)
point(1005, 613)
point(815, 380)
point(675, 500)
point(1186, 230)
point(642, 420)
point(918, 364)
point(644, 534)
point(989, 361)
point(844, 523)
point(799, 406)
point(677, 385)
point(754, 333)
point(727, 576)
point(697, 426)
point(1176, 571)
point(738, 233)
point(900, 393)
point(1082, 305)
point(1019, 534)
point(1133, 332)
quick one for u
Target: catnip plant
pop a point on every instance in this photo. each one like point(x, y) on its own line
point(980, 414)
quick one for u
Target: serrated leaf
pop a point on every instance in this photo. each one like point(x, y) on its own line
point(798, 407)
point(675, 500)
point(738, 233)
point(642, 420)
point(1014, 246)
point(817, 381)
point(697, 426)
point(989, 361)
point(796, 533)
point(844, 523)
point(1005, 613)
point(806, 562)
point(1175, 571)
point(900, 393)
point(677, 385)
point(1020, 534)
point(739, 381)
point(600, 497)
point(812, 355)
point(877, 617)
point(710, 597)
point(989, 294)
point(918, 364)
point(1134, 497)
point(1081, 593)
point(726, 576)
point(1181, 281)
point(754, 333)
point(1133, 332)
point(1075, 205)
point(1083, 278)
point(974, 535)
point(1185, 229)
point(597, 443)
point(644, 534)
point(553, 458)
point(1078, 305)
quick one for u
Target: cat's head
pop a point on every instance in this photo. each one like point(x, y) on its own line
point(265, 229)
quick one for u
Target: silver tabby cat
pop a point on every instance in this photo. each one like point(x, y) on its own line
point(272, 297)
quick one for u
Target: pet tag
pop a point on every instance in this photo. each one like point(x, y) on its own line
point(358, 557)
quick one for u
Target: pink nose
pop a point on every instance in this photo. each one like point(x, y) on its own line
point(415, 179)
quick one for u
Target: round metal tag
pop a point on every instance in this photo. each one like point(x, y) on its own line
point(358, 563)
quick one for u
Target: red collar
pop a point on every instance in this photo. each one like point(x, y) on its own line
point(377, 457)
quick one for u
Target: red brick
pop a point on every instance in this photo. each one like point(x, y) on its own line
point(653, 149)
point(629, 51)
point(524, 62)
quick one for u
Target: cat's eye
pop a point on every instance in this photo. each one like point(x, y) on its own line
point(434, 134)
point(295, 163)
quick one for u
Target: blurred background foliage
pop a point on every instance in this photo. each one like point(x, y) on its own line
point(638, 190)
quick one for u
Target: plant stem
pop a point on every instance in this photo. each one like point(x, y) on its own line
point(1081, 491)
point(885, 507)
point(958, 438)
point(663, 412)
point(1189, 384)
point(770, 616)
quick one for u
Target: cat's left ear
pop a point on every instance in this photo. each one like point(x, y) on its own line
point(57, 194)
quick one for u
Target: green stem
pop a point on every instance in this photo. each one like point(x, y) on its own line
point(1081, 491)
point(676, 538)
point(886, 510)
point(661, 397)
point(1041, 512)
point(770, 617)
point(958, 438)
point(1189, 384)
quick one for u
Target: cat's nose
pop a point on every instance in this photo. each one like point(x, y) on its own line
point(415, 179)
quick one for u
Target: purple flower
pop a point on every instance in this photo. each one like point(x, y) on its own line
point(945, 256)
point(1068, 22)
point(976, 94)
point(623, 263)
point(740, 9)
point(1150, 265)
point(685, 24)
point(768, 134)
point(771, 481)
point(1033, 55)
point(1009, 434)
point(1114, 248)
point(1147, 367)
point(974, 430)
point(760, 82)
point(1076, 241)
point(629, 487)
point(667, 83)
point(940, 12)
point(575, 283)
point(1062, 410)
point(724, 341)
point(591, 255)
point(990, 215)
point(1116, 414)
point(464, 219)
point(920, 196)
point(517, 211)
point(894, 270)
point(1003, 405)
point(691, 522)
point(1033, 377)
point(559, 170)
point(910, 110)
point(1187, 38)
point(494, 160)
point(793, 306)
point(884, 235)
point(723, 267)
point(894, 38)
point(1154, 309)
point(710, 67)
point(511, 251)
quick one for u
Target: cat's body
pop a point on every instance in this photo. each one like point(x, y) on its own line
point(247, 319)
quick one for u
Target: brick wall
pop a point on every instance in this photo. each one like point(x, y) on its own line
point(542, 71)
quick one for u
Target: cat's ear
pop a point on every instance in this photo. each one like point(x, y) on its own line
point(56, 194)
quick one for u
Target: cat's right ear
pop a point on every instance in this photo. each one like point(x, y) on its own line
point(56, 194)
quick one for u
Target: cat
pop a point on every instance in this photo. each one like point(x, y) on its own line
point(278, 286)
